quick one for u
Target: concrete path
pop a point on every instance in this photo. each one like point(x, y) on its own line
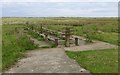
point(98, 45)
point(53, 60)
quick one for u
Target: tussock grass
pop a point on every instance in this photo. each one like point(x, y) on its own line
point(40, 38)
point(98, 61)
point(14, 44)
point(0, 48)
point(95, 28)
point(108, 34)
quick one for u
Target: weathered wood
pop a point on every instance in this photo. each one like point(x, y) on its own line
point(67, 37)
point(41, 29)
point(46, 35)
point(54, 36)
point(76, 41)
point(56, 42)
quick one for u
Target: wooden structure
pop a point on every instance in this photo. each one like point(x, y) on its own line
point(67, 33)
point(51, 35)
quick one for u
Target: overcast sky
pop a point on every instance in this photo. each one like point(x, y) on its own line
point(56, 8)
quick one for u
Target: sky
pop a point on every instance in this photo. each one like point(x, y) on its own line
point(59, 8)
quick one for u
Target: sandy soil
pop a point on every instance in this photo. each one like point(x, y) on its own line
point(52, 60)
point(94, 46)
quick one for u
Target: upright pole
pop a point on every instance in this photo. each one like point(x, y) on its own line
point(56, 41)
point(41, 29)
point(67, 37)
point(76, 41)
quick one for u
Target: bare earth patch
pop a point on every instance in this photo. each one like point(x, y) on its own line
point(40, 43)
point(93, 46)
point(52, 60)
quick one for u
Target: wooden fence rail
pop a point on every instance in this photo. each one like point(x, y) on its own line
point(57, 37)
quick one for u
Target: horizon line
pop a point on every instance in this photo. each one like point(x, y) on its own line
point(60, 17)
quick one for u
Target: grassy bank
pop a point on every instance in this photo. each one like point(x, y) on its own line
point(35, 35)
point(106, 33)
point(40, 38)
point(14, 44)
point(103, 29)
point(0, 48)
point(98, 61)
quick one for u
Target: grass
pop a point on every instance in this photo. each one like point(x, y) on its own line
point(107, 33)
point(103, 29)
point(0, 48)
point(35, 35)
point(108, 37)
point(14, 44)
point(98, 61)
point(109, 26)
point(39, 38)
point(98, 33)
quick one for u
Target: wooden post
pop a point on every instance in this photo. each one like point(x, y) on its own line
point(67, 37)
point(76, 41)
point(46, 35)
point(27, 25)
point(41, 29)
point(32, 27)
point(56, 42)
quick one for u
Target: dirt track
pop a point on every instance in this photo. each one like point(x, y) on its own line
point(52, 60)
point(94, 46)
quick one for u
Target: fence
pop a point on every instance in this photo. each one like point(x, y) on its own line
point(59, 38)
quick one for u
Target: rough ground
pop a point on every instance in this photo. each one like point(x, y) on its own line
point(52, 60)
point(93, 46)
point(40, 43)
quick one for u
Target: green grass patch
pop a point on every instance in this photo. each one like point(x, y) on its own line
point(91, 26)
point(14, 44)
point(40, 38)
point(95, 32)
point(0, 48)
point(98, 61)
point(35, 35)
point(107, 37)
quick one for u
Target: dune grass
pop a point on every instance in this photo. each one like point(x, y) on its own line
point(98, 61)
point(96, 28)
point(14, 44)
point(106, 33)
point(0, 48)
point(40, 38)
point(35, 35)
